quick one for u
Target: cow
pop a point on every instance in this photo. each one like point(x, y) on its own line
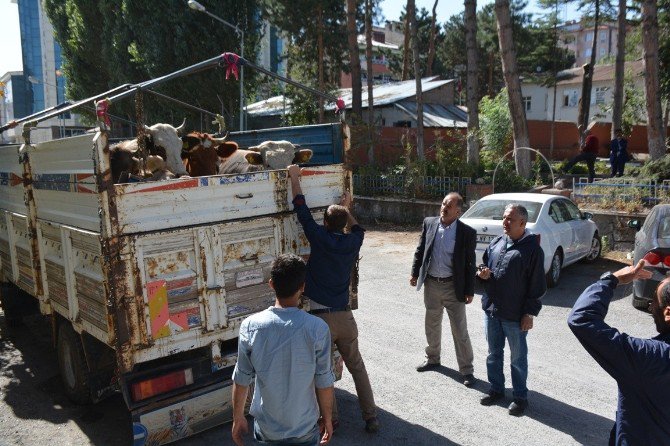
point(157, 168)
point(200, 152)
point(271, 155)
point(159, 139)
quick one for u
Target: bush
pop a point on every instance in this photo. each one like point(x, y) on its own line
point(657, 170)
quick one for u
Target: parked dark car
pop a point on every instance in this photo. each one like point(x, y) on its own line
point(652, 243)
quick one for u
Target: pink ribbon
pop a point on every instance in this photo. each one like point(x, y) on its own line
point(232, 64)
point(101, 108)
point(340, 106)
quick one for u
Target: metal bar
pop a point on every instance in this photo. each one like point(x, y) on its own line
point(182, 103)
point(290, 81)
point(55, 111)
point(209, 63)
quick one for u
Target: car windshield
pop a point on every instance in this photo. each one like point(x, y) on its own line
point(494, 209)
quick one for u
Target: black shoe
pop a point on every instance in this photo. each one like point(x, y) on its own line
point(491, 398)
point(425, 366)
point(372, 425)
point(517, 407)
point(469, 380)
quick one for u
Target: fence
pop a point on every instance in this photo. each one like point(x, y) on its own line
point(408, 186)
point(605, 191)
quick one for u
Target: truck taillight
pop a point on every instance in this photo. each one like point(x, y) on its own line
point(657, 259)
point(155, 386)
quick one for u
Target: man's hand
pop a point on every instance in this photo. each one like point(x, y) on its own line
point(326, 429)
point(240, 427)
point(412, 280)
point(468, 299)
point(294, 171)
point(630, 273)
point(345, 200)
point(526, 322)
point(484, 273)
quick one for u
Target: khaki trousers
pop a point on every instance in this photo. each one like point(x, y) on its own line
point(438, 297)
point(344, 335)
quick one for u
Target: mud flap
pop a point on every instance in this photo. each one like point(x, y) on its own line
point(183, 415)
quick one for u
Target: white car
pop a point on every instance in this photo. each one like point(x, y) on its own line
point(566, 234)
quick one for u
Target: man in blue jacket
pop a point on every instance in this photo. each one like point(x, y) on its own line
point(641, 367)
point(514, 283)
point(331, 260)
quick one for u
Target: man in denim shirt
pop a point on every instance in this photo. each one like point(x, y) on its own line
point(641, 367)
point(287, 351)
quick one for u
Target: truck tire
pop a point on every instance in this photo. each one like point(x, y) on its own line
point(9, 297)
point(72, 365)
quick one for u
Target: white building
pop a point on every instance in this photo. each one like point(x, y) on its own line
point(539, 99)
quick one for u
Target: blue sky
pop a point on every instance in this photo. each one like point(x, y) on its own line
point(10, 41)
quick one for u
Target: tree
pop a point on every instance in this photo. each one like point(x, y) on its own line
point(354, 58)
point(617, 106)
point(109, 43)
point(513, 83)
point(411, 12)
point(369, 6)
point(472, 89)
point(587, 82)
point(431, 42)
point(655, 128)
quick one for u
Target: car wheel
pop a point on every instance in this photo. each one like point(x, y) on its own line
point(555, 269)
point(596, 248)
point(72, 365)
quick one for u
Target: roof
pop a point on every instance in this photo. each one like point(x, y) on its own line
point(377, 44)
point(383, 94)
point(601, 73)
point(437, 115)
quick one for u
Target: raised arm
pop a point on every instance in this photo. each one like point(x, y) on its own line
point(294, 175)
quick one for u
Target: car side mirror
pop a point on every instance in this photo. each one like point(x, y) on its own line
point(635, 224)
point(587, 216)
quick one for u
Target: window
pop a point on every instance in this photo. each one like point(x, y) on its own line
point(570, 98)
point(587, 52)
point(600, 94)
point(572, 209)
point(527, 102)
point(494, 210)
point(407, 124)
point(588, 37)
point(603, 36)
point(601, 52)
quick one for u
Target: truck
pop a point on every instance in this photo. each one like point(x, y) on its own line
point(145, 284)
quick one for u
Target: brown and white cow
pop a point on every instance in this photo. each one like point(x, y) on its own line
point(272, 155)
point(160, 139)
point(199, 150)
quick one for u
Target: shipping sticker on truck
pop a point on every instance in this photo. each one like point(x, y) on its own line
point(246, 278)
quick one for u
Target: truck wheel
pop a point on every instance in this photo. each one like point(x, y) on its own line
point(9, 297)
point(72, 365)
point(555, 269)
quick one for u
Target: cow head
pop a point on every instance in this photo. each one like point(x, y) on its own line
point(200, 151)
point(277, 154)
point(167, 137)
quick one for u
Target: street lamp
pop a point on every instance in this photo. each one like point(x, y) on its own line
point(194, 5)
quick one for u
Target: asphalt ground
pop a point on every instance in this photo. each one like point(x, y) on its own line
point(572, 400)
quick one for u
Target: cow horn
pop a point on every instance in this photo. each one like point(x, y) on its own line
point(181, 128)
point(222, 139)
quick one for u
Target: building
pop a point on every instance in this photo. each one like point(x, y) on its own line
point(14, 103)
point(42, 71)
point(539, 98)
point(578, 38)
point(384, 41)
point(394, 106)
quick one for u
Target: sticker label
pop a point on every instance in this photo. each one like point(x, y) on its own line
point(247, 278)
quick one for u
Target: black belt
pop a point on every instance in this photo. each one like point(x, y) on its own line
point(329, 310)
point(441, 279)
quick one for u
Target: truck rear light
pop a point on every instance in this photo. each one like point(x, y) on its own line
point(657, 259)
point(155, 386)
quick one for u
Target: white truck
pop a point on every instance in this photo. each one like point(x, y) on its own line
point(145, 284)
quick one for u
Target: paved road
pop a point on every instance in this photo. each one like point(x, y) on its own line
point(572, 399)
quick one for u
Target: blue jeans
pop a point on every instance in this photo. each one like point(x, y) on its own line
point(311, 439)
point(497, 330)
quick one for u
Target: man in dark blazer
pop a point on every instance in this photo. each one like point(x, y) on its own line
point(444, 262)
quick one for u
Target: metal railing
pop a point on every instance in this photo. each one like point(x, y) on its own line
point(649, 192)
point(405, 186)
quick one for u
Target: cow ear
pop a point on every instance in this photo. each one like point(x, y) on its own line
point(254, 158)
point(224, 150)
point(302, 156)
